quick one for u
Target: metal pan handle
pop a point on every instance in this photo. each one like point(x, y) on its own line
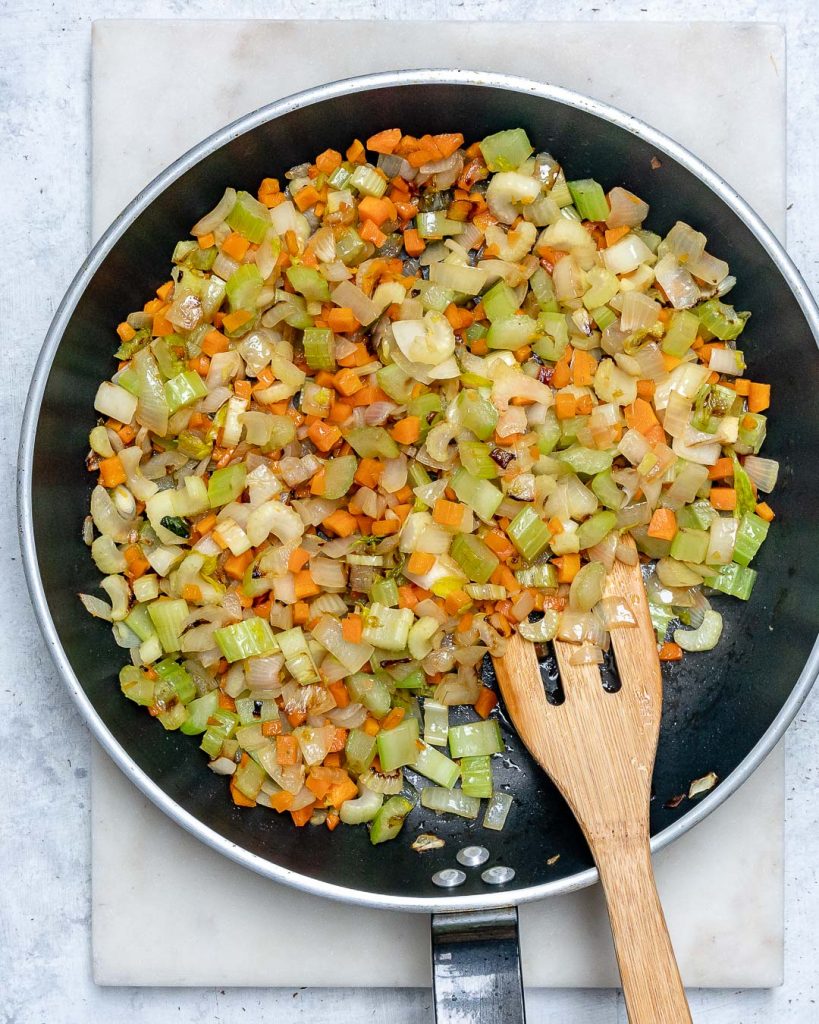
point(476, 977)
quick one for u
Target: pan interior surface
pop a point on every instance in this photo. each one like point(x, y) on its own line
point(718, 707)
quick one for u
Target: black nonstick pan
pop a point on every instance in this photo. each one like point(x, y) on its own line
point(723, 711)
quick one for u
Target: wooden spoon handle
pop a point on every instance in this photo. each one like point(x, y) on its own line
point(652, 986)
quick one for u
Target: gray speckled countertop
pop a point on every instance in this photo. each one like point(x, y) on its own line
point(45, 48)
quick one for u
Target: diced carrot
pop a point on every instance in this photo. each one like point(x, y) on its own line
point(376, 209)
point(332, 821)
point(305, 585)
point(192, 593)
point(306, 197)
point(369, 472)
point(723, 498)
point(764, 511)
point(562, 374)
point(457, 602)
point(319, 787)
point(235, 565)
point(499, 543)
point(112, 472)
point(368, 395)
point(568, 566)
point(235, 246)
point(317, 483)
point(371, 726)
point(722, 468)
point(448, 513)
point(301, 613)
point(233, 321)
point(352, 628)
point(328, 161)
point(645, 389)
point(337, 743)
point(125, 331)
point(640, 416)
point(585, 404)
point(341, 523)
point(287, 749)
point(759, 397)
point(670, 362)
point(347, 382)
point(340, 693)
point(342, 791)
point(340, 412)
point(385, 527)
point(406, 597)
point(742, 386)
point(302, 815)
point(615, 234)
point(355, 152)
point(323, 435)
point(272, 728)
point(370, 232)
point(226, 702)
point(663, 524)
point(655, 435)
point(384, 142)
point(565, 405)
point(206, 524)
point(164, 291)
point(458, 317)
point(407, 431)
point(238, 797)
point(671, 652)
point(413, 242)
point(420, 563)
point(282, 801)
point(296, 718)
point(487, 700)
point(583, 367)
point(393, 718)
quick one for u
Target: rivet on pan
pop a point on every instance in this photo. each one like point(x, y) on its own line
point(472, 856)
point(499, 875)
point(448, 878)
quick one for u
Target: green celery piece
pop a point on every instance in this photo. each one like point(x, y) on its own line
point(697, 516)
point(309, 282)
point(174, 717)
point(243, 287)
point(479, 495)
point(387, 628)
point(389, 820)
point(138, 620)
point(595, 528)
point(450, 801)
point(476, 775)
point(552, 345)
point(733, 579)
point(475, 739)
point(418, 476)
point(588, 461)
point(367, 181)
point(476, 559)
point(128, 348)
point(225, 485)
point(319, 348)
point(248, 778)
point(661, 616)
point(370, 691)
point(512, 332)
point(168, 617)
point(398, 746)
point(436, 723)
point(544, 292)
point(394, 382)
point(350, 248)
point(475, 380)
point(339, 178)
point(681, 333)
point(689, 545)
point(423, 407)
point(751, 533)
point(193, 446)
point(246, 710)
point(136, 685)
point(589, 199)
point(475, 332)
point(476, 459)
point(166, 352)
point(752, 436)
point(529, 533)
point(499, 302)
point(282, 432)
point(338, 476)
point(606, 490)
point(506, 150)
point(385, 592)
point(184, 389)
point(250, 638)
point(543, 576)
point(548, 433)
point(249, 218)
point(603, 316)
point(359, 751)
point(434, 765)
point(297, 656)
point(746, 502)
point(477, 414)
point(222, 727)
point(415, 679)
point(722, 320)
point(436, 224)
point(372, 443)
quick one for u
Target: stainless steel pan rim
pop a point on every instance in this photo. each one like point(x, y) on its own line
point(384, 80)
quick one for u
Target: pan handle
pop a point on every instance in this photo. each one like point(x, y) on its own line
point(476, 977)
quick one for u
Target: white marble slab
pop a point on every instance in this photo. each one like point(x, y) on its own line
point(722, 884)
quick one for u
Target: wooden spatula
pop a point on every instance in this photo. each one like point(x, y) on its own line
point(598, 748)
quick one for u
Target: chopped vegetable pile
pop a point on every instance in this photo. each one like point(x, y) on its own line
point(381, 418)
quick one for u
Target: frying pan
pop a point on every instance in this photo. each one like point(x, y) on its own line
point(723, 711)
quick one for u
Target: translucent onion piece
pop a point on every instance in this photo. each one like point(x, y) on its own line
point(626, 210)
point(217, 215)
point(763, 472)
point(616, 613)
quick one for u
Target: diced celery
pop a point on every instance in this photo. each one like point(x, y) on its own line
point(480, 495)
point(661, 616)
point(372, 443)
point(681, 333)
point(398, 746)
point(394, 382)
point(363, 808)
point(722, 320)
point(309, 282)
point(192, 445)
point(506, 150)
point(387, 628)
point(221, 726)
point(359, 751)
point(436, 225)
point(425, 406)
point(500, 302)
point(734, 579)
point(168, 617)
point(697, 516)
point(184, 389)
point(477, 414)
point(436, 766)
point(475, 332)
point(297, 656)
point(528, 533)
point(319, 348)
point(414, 678)
point(451, 801)
point(436, 723)
point(385, 591)
point(543, 576)
point(136, 685)
point(389, 820)
point(250, 638)
point(595, 528)
point(282, 432)
point(476, 776)
point(475, 458)
point(589, 199)
point(607, 491)
point(338, 476)
point(139, 621)
point(497, 811)
point(249, 217)
point(225, 485)
point(512, 332)
point(351, 247)
point(746, 500)
point(548, 433)
point(751, 533)
point(370, 691)
point(243, 287)
point(587, 461)
point(475, 739)
point(248, 778)
point(339, 178)
point(752, 429)
point(176, 678)
point(689, 545)
point(476, 559)
point(544, 291)
point(368, 181)
point(418, 476)
point(246, 709)
point(603, 316)
point(174, 717)
point(556, 336)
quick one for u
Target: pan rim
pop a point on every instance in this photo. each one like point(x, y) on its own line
point(341, 88)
